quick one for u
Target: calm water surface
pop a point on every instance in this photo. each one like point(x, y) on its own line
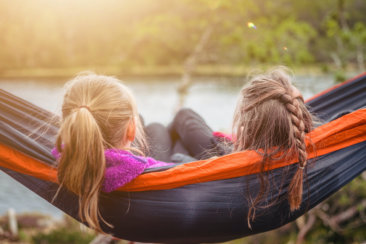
point(157, 99)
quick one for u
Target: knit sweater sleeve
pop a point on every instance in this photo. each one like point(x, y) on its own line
point(120, 174)
point(123, 167)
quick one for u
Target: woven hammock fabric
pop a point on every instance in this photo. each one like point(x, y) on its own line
point(203, 201)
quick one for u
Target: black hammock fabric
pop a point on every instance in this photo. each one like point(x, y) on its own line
point(213, 211)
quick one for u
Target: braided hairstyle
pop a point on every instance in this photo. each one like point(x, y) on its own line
point(272, 119)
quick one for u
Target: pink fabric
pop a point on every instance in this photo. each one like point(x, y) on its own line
point(122, 167)
point(225, 136)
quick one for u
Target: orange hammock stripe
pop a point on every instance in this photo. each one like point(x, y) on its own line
point(338, 134)
point(22, 163)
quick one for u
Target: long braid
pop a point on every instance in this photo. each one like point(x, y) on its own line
point(299, 147)
point(271, 118)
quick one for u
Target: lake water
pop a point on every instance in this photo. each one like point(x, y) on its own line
point(157, 99)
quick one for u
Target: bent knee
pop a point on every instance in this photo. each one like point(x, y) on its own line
point(184, 113)
point(155, 125)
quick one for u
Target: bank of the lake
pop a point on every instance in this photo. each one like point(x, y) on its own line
point(172, 70)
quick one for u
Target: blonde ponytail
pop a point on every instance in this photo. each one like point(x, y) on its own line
point(82, 163)
point(96, 113)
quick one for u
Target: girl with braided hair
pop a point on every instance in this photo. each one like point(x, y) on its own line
point(270, 118)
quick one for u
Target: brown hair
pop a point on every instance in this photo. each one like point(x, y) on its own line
point(272, 119)
point(96, 113)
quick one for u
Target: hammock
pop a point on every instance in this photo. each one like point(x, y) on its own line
point(202, 201)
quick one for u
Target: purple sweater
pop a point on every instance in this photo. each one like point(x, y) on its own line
point(122, 167)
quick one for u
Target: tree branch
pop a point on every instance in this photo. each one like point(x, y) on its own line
point(334, 221)
point(349, 213)
point(305, 228)
point(190, 64)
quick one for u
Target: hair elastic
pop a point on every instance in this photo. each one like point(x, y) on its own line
point(301, 167)
point(84, 106)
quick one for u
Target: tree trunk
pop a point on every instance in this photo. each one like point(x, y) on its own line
point(190, 65)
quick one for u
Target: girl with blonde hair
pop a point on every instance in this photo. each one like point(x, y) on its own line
point(94, 144)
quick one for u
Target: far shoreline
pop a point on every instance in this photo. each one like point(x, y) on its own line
point(237, 71)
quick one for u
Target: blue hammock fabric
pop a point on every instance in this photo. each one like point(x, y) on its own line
point(213, 211)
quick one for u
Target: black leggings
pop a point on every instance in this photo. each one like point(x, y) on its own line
point(188, 134)
point(159, 141)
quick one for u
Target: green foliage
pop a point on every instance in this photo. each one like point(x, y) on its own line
point(23, 236)
point(54, 34)
point(339, 76)
point(63, 236)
